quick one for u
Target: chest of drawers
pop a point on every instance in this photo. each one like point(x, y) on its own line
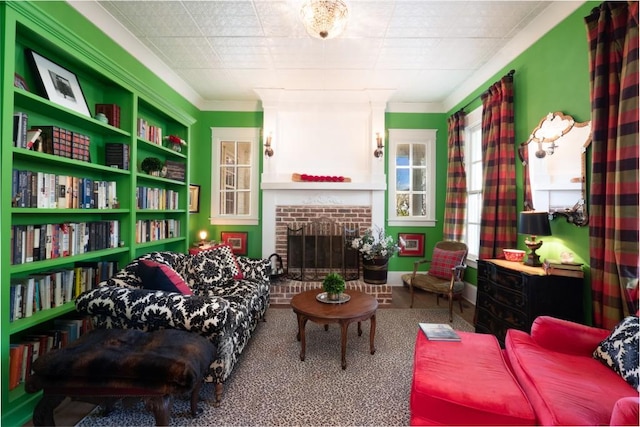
point(512, 295)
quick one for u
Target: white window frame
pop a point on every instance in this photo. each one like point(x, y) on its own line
point(251, 135)
point(472, 123)
point(412, 136)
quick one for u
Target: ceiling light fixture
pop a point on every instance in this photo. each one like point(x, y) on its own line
point(324, 19)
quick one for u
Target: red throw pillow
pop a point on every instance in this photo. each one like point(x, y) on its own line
point(443, 261)
point(161, 277)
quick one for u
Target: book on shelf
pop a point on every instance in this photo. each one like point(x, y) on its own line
point(20, 129)
point(15, 364)
point(111, 111)
point(439, 332)
point(175, 170)
point(117, 155)
point(34, 140)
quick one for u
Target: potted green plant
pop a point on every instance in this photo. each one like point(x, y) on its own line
point(333, 285)
point(151, 165)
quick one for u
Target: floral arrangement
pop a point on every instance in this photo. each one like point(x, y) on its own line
point(375, 244)
point(175, 139)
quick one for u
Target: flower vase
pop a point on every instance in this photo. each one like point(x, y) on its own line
point(375, 270)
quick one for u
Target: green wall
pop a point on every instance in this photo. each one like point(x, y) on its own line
point(552, 75)
point(201, 174)
point(433, 235)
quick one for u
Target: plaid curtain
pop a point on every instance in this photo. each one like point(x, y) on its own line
point(612, 32)
point(498, 220)
point(455, 203)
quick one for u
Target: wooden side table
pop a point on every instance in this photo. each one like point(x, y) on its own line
point(512, 295)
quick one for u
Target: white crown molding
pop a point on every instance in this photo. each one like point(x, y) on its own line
point(415, 107)
point(551, 16)
point(123, 37)
point(236, 106)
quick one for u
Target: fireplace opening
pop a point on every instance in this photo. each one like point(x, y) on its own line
point(317, 248)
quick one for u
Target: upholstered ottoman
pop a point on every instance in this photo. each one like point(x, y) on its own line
point(105, 365)
point(465, 383)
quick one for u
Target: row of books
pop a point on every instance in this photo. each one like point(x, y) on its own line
point(111, 112)
point(557, 268)
point(175, 170)
point(31, 189)
point(149, 132)
point(116, 155)
point(51, 289)
point(50, 139)
point(22, 354)
point(156, 198)
point(156, 229)
point(38, 242)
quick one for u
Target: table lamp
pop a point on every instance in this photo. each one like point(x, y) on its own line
point(203, 237)
point(534, 224)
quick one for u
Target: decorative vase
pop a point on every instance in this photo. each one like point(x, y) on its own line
point(375, 270)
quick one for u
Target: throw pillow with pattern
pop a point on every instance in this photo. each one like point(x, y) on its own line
point(158, 276)
point(619, 351)
point(443, 261)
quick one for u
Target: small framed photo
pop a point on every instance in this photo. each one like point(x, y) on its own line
point(59, 84)
point(194, 198)
point(236, 239)
point(413, 244)
point(19, 82)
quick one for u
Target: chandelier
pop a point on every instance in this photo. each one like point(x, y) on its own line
point(324, 19)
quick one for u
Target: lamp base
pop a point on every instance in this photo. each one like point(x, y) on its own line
point(533, 259)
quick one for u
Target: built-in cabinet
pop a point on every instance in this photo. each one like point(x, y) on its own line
point(124, 227)
point(512, 295)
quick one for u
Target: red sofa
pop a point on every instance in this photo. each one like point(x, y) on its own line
point(563, 382)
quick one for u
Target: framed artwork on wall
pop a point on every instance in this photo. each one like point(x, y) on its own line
point(59, 84)
point(237, 240)
point(413, 244)
point(194, 198)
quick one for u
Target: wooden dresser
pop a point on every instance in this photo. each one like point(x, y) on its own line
point(512, 295)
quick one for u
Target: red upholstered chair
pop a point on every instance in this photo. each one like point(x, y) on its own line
point(445, 274)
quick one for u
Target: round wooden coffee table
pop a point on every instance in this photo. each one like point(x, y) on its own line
point(361, 306)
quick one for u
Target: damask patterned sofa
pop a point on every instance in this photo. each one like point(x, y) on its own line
point(229, 296)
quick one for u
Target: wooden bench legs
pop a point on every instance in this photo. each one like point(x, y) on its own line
point(158, 404)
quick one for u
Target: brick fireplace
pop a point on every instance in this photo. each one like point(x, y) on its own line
point(295, 216)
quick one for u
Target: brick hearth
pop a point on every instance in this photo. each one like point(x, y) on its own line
point(282, 292)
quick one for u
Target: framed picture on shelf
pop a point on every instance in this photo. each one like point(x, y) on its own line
point(236, 239)
point(59, 84)
point(19, 82)
point(413, 244)
point(194, 198)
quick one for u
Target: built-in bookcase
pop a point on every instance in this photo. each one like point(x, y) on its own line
point(165, 227)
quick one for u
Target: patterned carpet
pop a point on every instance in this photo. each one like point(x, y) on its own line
point(272, 387)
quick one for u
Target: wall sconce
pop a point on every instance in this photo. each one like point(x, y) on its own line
point(203, 237)
point(379, 150)
point(268, 151)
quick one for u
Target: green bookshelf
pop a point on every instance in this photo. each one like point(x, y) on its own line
point(28, 25)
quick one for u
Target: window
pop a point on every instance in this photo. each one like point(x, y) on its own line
point(473, 162)
point(412, 177)
point(234, 176)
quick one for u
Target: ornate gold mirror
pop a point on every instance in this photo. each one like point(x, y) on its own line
point(554, 159)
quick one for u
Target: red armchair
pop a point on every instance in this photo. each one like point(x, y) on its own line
point(563, 382)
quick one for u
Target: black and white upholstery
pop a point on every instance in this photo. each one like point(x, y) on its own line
point(223, 308)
